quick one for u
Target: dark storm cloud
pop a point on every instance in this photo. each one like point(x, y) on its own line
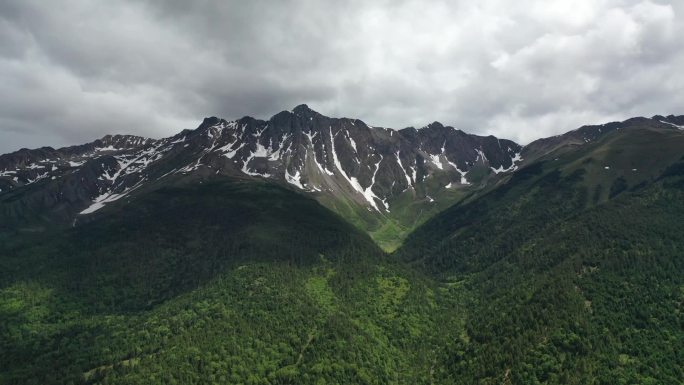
point(74, 70)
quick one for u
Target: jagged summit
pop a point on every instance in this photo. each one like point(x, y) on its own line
point(435, 125)
point(209, 121)
point(672, 120)
point(303, 109)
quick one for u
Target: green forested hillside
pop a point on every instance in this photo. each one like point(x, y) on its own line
point(220, 282)
point(562, 291)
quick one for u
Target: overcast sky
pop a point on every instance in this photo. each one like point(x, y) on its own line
point(74, 70)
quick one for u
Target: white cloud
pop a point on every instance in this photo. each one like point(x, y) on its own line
point(520, 69)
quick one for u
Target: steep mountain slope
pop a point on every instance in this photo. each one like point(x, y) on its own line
point(596, 298)
point(384, 181)
point(573, 265)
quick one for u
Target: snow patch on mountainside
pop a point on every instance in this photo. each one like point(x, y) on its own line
point(260, 152)
point(406, 175)
point(480, 155)
point(512, 167)
point(436, 161)
point(673, 125)
point(294, 179)
point(368, 192)
point(352, 180)
point(461, 172)
point(353, 143)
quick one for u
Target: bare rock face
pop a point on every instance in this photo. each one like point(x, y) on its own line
point(348, 158)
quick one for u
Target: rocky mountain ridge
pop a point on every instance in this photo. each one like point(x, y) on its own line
point(369, 175)
point(311, 152)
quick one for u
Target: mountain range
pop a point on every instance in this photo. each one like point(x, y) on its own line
point(310, 249)
point(368, 174)
point(385, 181)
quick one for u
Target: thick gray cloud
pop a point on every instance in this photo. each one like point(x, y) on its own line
point(74, 70)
